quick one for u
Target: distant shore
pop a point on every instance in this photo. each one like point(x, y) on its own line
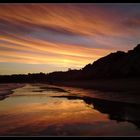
point(6, 89)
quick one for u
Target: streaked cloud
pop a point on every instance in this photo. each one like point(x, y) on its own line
point(65, 35)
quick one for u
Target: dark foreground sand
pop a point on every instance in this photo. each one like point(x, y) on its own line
point(116, 85)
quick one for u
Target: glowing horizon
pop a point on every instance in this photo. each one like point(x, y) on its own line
point(54, 37)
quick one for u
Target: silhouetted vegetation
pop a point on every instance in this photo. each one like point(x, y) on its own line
point(22, 78)
point(114, 65)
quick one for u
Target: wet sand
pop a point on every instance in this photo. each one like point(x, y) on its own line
point(7, 88)
point(127, 90)
point(120, 85)
point(57, 111)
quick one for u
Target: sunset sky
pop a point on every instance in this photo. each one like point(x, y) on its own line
point(54, 37)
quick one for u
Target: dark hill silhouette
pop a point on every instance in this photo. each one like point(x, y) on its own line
point(115, 65)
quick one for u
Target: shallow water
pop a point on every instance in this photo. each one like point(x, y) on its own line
point(44, 110)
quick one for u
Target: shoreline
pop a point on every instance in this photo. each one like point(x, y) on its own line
point(127, 90)
point(7, 89)
point(105, 85)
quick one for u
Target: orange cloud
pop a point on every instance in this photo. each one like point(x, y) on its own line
point(69, 35)
point(46, 52)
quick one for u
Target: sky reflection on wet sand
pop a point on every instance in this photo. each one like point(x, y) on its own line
point(44, 115)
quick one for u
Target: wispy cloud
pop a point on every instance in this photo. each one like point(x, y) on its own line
point(68, 35)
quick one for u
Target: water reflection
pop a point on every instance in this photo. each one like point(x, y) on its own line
point(29, 111)
point(118, 111)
